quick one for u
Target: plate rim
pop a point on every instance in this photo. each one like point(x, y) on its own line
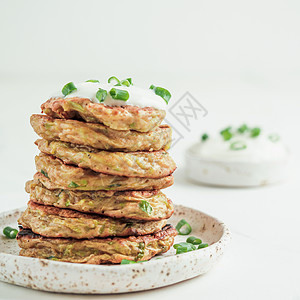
point(214, 251)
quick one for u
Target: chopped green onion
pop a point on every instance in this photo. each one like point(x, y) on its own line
point(243, 128)
point(119, 94)
point(204, 137)
point(226, 133)
point(238, 145)
point(68, 203)
point(73, 185)
point(129, 80)
point(68, 88)
point(52, 258)
point(129, 262)
point(146, 207)
point(159, 91)
point(125, 82)
point(255, 132)
point(142, 250)
point(113, 80)
point(44, 173)
point(202, 246)
point(274, 137)
point(93, 80)
point(193, 240)
point(101, 95)
point(10, 232)
point(184, 247)
point(183, 227)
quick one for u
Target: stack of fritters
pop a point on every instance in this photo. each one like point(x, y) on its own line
point(96, 195)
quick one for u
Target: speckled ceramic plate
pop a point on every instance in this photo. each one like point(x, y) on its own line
point(160, 271)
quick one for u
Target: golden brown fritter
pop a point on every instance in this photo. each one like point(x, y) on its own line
point(125, 117)
point(96, 251)
point(136, 205)
point(75, 178)
point(156, 164)
point(57, 222)
point(101, 137)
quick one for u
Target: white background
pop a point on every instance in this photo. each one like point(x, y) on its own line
point(239, 59)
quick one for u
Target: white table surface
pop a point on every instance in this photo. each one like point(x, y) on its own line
point(263, 260)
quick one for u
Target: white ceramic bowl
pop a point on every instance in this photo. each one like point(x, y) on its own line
point(234, 174)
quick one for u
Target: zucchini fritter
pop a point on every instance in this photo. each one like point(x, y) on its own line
point(101, 137)
point(125, 117)
point(51, 221)
point(74, 178)
point(96, 251)
point(156, 164)
point(136, 205)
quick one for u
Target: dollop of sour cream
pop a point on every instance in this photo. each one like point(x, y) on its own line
point(137, 96)
point(258, 149)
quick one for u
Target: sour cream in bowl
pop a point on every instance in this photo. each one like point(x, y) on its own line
point(238, 157)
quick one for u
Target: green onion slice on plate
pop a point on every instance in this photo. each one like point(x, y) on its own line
point(119, 94)
point(10, 232)
point(68, 88)
point(202, 246)
point(159, 91)
point(184, 247)
point(193, 240)
point(183, 227)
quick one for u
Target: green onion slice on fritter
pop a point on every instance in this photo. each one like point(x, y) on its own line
point(113, 80)
point(68, 88)
point(73, 185)
point(146, 207)
point(93, 80)
point(101, 95)
point(119, 94)
point(125, 82)
point(129, 80)
point(44, 173)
